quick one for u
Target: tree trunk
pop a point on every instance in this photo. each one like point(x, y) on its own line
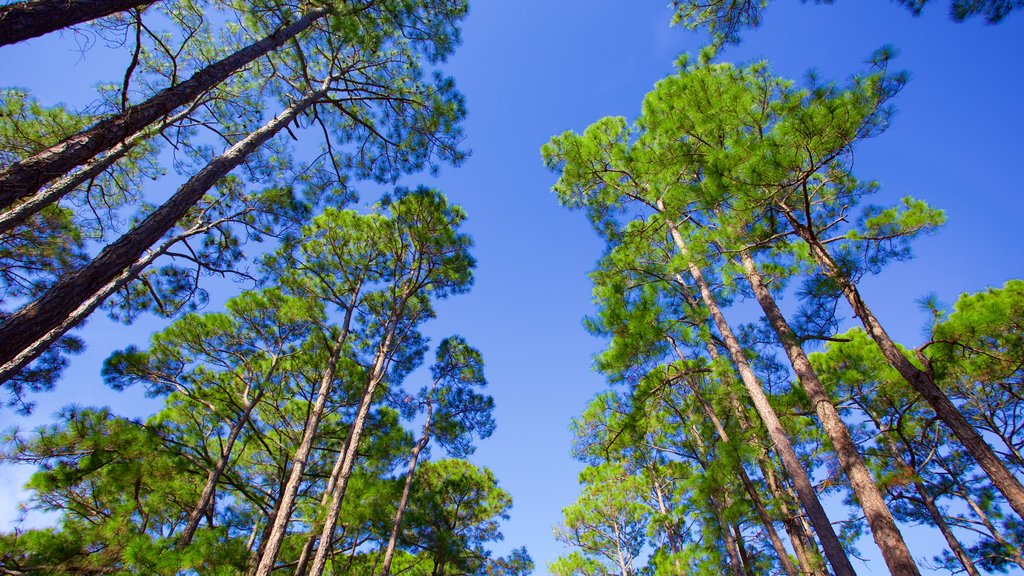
point(748, 485)
point(799, 533)
point(272, 543)
point(731, 547)
point(307, 548)
point(883, 528)
point(922, 381)
point(403, 503)
point(24, 20)
point(53, 309)
point(805, 492)
point(87, 307)
point(376, 375)
point(206, 498)
point(24, 178)
point(965, 495)
point(20, 213)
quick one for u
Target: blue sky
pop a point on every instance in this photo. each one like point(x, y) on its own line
point(532, 69)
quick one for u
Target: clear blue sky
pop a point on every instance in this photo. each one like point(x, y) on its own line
point(531, 69)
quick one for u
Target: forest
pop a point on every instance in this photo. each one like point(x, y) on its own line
point(240, 322)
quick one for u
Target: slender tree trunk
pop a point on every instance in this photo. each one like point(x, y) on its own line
point(748, 566)
point(206, 498)
point(623, 566)
point(254, 558)
point(376, 375)
point(403, 503)
point(748, 485)
point(24, 178)
point(805, 491)
point(883, 528)
point(53, 309)
point(922, 381)
point(731, 547)
point(24, 20)
point(272, 542)
point(307, 548)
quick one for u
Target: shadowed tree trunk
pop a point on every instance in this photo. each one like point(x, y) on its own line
point(38, 318)
point(805, 491)
point(25, 178)
point(23, 20)
point(748, 485)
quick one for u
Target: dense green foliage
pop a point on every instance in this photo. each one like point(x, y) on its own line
point(735, 184)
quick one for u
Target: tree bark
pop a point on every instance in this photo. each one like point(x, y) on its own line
point(87, 307)
point(20, 213)
point(799, 533)
point(25, 178)
point(731, 546)
point(375, 377)
point(54, 308)
point(805, 491)
point(965, 495)
point(272, 543)
point(922, 381)
point(883, 528)
point(403, 503)
point(24, 20)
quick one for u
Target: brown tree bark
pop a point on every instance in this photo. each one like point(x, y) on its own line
point(883, 528)
point(63, 186)
point(53, 309)
point(805, 491)
point(748, 485)
point(807, 552)
point(922, 381)
point(25, 178)
point(90, 304)
point(24, 20)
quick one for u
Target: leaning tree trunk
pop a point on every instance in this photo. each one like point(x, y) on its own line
point(799, 533)
point(929, 503)
point(805, 491)
point(24, 20)
point(403, 503)
point(307, 549)
point(377, 373)
point(25, 178)
point(48, 312)
point(20, 213)
point(277, 529)
point(883, 528)
point(965, 495)
point(922, 381)
point(731, 546)
point(87, 307)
